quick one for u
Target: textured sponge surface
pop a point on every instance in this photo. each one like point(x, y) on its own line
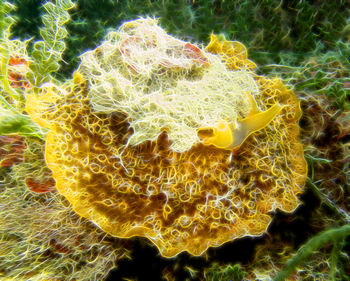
point(163, 83)
point(181, 199)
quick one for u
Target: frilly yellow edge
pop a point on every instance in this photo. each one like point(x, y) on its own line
point(231, 135)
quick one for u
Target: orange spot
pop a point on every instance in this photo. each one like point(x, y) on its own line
point(194, 53)
point(16, 74)
point(41, 187)
point(11, 150)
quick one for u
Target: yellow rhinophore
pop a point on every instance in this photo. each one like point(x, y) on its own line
point(230, 136)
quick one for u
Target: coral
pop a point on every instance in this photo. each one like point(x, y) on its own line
point(182, 200)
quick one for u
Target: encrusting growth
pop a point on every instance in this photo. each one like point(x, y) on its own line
point(162, 83)
point(124, 149)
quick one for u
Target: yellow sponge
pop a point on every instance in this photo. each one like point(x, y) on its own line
point(163, 84)
point(181, 197)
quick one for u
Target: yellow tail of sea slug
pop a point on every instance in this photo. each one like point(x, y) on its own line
point(231, 135)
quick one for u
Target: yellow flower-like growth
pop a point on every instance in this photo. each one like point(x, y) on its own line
point(181, 201)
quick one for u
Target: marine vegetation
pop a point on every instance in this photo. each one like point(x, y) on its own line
point(184, 147)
